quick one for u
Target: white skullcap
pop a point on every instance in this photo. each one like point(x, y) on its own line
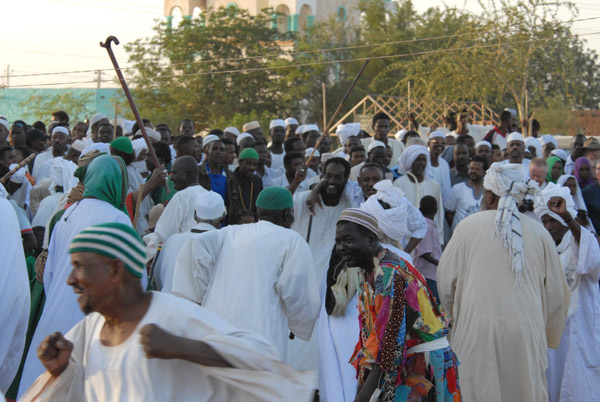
point(61, 173)
point(547, 139)
point(251, 125)
point(208, 139)
point(392, 222)
point(138, 146)
point(515, 136)
point(277, 123)
point(310, 150)
point(329, 155)
point(533, 142)
point(209, 205)
point(375, 144)
point(290, 120)
point(19, 176)
point(300, 130)
point(452, 134)
point(97, 117)
point(78, 145)
point(311, 127)
point(436, 134)
point(508, 182)
point(400, 134)
point(97, 146)
point(513, 112)
point(408, 157)
point(483, 144)
point(232, 130)
point(4, 122)
point(152, 134)
point(561, 153)
point(345, 131)
point(61, 129)
point(554, 190)
point(242, 137)
point(127, 126)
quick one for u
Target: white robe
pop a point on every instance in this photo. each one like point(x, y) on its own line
point(574, 368)
point(441, 174)
point(135, 181)
point(61, 310)
point(14, 293)
point(500, 333)
point(45, 209)
point(260, 276)
point(178, 217)
point(39, 161)
point(98, 373)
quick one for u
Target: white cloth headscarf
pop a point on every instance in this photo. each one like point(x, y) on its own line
point(139, 145)
point(345, 131)
point(61, 173)
point(392, 222)
point(508, 182)
point(578, 197)
point(409, 156)
point(21, 196)
point(533, 142)
point(97, 146)
point(547, 139)
point(554, 190)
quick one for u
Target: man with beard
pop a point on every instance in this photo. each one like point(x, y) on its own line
point(277, 132)
point(516, 151)
point(576, 151)
point(465, 198)
point(60, 141)
point(381, 129)
point(214, 173)
point(460, 172)
point(244, 187)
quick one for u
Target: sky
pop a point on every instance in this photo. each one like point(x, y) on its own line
point(63, 36)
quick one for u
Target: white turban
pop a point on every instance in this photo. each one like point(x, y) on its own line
point(547, 139)
point(78, 145)
point(242, 137)
point(97, 146)
point(139, 145)
point(61, 173)
point(96, 118)
point(345, 131)
point(533, 142)
point(409, 156)
point(309, 151)
point(290, 120)
point(250, 125)
point(209, 205)
point(152, 134)
point(400, 134)
point(311, 127)
point(554, 190)
point(19, 176)
point(375, 144)
point(392, 222)
point(508, 182)
point(232, 130)
point(515, 136)
point(560, 153)
point(277, 123)
point(437, 134)
point(578, 198)
point(483, 144)
point(208, 139)
point(300, 130)
point(61, 129)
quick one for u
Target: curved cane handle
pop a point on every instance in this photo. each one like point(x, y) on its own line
point(111, 38)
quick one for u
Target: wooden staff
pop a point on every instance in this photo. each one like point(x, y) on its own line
point(337, 111)
point(116, 114)
point(22, 164)
point(138, 202)
point(134, 109)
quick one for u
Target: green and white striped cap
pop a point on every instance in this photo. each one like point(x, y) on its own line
point(113, 240)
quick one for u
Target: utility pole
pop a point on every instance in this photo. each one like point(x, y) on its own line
point(7, 75)
point(99, 78)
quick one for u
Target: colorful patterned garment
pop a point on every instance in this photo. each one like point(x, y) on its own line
point(398, 314)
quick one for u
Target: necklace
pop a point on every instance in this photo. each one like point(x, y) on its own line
point(242, 196)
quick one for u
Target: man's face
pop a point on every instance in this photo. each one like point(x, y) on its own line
point(9, 157)
point(91, 280)
point(450, 140)
point(389, 154)
point(72, 155)
point(419, 165)
point(547, 149)
point(554, 227)
point(515, 151)
point(571, 183)
point(215, 153)
point(351, 245)
point(298, 146)
point(229, 154)
point(179, 176)
point(556, 170)
point(577, 146)
point(436, 146)
point(496, 155)
point(377, 155)
point(17, 136)
point(537, 174)
point(248, 167)
point(476, 172)
point(256, 133)
point(334, 179)
point(358, 157)
point(460, 155)
point(263, 154)
point(190, 148)
point(484, 152)
point(325, 146)
point(59, 143)
point(97, 126)
point(584, 172)
point(290, 130)
point(165, 135)
point(186, 128)
point(367, 179)
point(277, 135)
point(470, 143)
point(105, 133)
point(381, 129)
point(79, 131)
point(352, 142)
point(295, 164)
point(311, 139)
point(532, 152)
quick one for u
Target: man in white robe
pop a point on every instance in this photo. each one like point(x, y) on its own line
point(209, 214)
point(259, 276)
point(440, 170)
point(14, 291)
point(120, 351)
point(574, 368)
point(501, 281)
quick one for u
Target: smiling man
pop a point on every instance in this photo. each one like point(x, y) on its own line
point(516, 151)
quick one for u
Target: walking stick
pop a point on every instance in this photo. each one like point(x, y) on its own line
point(22, 164)
point(337, 111)
point(134, 109)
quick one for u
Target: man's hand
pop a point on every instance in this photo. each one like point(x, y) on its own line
point(157, 179)
point(314, 198)
point(157, 342)
point(300, 175)
point(558, 205)
point(54, 353)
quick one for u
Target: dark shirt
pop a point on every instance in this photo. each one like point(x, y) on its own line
point(456, 177)
point(591, 196)
point(242, 193)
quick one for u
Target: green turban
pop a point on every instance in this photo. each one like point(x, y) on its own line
point(248, 153)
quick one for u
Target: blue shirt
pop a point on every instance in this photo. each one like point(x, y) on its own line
point(218, 182)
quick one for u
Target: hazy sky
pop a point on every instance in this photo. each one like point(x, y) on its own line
point(55, 36)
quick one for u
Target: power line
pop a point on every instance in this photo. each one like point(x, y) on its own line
point(272, 55)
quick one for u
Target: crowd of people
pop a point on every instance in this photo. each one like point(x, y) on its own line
point(447, 264)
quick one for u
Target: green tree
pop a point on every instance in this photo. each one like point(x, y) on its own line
point(77, 104)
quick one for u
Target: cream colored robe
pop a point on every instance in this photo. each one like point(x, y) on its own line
point(500, 333)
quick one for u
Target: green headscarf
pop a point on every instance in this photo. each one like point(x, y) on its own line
point(551, 161)
point(106, 180)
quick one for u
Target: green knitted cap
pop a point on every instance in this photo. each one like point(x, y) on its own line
point(275, 199)
point(248, 153)
point(122, 144)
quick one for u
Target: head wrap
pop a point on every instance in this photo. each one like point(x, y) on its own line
point(311, 127)
point(113, 240)
point(290, 120)
point(106, 180)
point(436, 134)
point(375, 144)
point(208, 139)
point(4, 122)
point(248, 153)
point(329, 155)
point(250, 125)
point(392, 222)
point(533, 142)
point(209, 205)
point(554, 190)
point(547, 139)
point(277, 123)
point(360, 217)
point(300, 130)
point(61, 173)
point(232, 130)
point(513, 112)
point(400, 134)
point(61, 129)
point(19, 176)
point(100, 147)
point(242, 137)
point(345, 131)
point(581, 161)
point(309, 151)
point(138, 146)
point(152, 134)
point(452, 134)
point(561, 153)
point(515, 136)
point(578, 197)
point(483, 144)
point(408, 157)
point(275, 199)
point(551, 161)
point(508, 182)
point(122, 144)
point(96, 118)
point(78, 145)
